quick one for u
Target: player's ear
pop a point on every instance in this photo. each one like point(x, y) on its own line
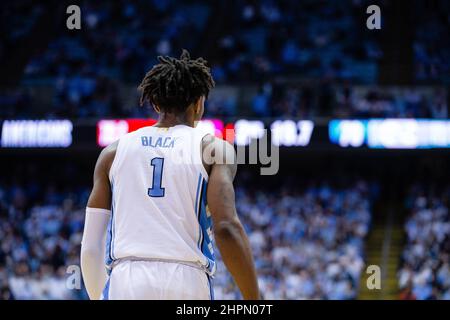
point(199, 106)
point(157, 109)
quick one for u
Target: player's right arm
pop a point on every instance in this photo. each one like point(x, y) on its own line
point(229, 233)
point(96, 221)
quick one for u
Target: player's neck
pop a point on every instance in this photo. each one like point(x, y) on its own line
point(166, 120)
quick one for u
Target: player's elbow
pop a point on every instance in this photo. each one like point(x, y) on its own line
point(89, 254)
point(229, 229)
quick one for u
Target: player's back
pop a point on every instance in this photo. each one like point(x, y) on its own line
point(159, 210)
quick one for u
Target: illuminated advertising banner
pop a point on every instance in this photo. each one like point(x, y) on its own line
point(391, 133)
point(247, 130)
point(348, 133)
point(242, 132)
point(371, 133)
point(109, 131)
point(408, 134)
point(287, 133)
point(36, 133)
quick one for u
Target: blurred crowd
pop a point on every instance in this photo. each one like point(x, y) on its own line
point(318, 39)
point(431, 53)
point(103, 98)
point(306, 101)
point(425, 267)
point(40, 232)
point(255, 43)
point(257, 38)
point(120, 39)
point(391, 102)
point(307, 244)
point(17, 19)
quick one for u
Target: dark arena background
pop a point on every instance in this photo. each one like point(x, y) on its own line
point(359, 208)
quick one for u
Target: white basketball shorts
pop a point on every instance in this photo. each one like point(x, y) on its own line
point(156, 280)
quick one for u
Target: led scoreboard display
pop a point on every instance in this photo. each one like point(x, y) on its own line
point(109, 131)
point(36, 134)
point(342, 134)
point(391, 133)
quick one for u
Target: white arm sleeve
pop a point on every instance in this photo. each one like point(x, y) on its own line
point(93, 251)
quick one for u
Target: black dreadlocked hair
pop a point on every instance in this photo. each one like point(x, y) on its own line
point(174, 84)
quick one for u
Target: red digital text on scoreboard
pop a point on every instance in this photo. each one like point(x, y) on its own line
point(111, 130)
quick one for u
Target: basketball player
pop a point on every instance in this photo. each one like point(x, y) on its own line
point(159, 195)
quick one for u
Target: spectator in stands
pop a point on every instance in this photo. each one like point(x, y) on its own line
point(425, 259)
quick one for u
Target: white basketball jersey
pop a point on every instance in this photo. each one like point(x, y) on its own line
point(159, 209)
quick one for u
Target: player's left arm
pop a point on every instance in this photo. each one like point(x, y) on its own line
point(97, 218)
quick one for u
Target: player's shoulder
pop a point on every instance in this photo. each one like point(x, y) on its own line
point(106, 157)
point(211, 140)
point(217, 150)
point(108, 153)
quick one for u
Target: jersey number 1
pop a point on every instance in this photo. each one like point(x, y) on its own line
point(156, 190)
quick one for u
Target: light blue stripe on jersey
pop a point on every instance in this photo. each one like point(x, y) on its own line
point(110, 235)
point(106, 290)
point(199, 210)
point(197, 207)
point(211, 288)
point(205, 223)
point(109, 258)
point(197, 194)
point(112, 221)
